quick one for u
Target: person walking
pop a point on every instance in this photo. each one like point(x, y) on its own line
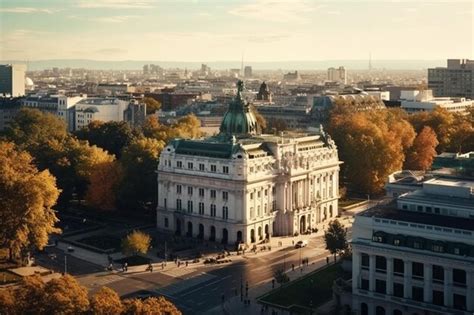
point(126, 266)
point(150, 267)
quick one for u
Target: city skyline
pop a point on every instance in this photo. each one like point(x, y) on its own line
point(214, 30)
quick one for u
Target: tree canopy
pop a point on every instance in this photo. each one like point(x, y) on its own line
point(136, 242)
point(335, 237)
point(26, 204)
point(152, 105)
point(420, 156)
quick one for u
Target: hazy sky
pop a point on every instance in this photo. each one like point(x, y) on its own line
point(210, 30)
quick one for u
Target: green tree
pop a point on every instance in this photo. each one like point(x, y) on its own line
point(152, 105)
point(139, 162)
point(335, 238)
point(106, 302)
point(111, 136)
point(27, 197)
point(135, 243)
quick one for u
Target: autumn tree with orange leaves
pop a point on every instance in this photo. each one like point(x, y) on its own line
point(420, 156)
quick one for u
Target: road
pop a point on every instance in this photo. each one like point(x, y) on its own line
point(200, 289)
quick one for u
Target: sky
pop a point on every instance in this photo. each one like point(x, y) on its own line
point(215, 30)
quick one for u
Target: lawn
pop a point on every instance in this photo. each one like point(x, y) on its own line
point(310, 291)
point(102, 242)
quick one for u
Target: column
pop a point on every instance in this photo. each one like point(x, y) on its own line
point(389, 275)
point(428, 283)
point(448, 286)
point(356, 261)
point(290, 194)
point(470, 290)
point(372, 273)
point(407, 280)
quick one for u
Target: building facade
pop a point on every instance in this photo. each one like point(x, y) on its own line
point(416, 255)
point(12, 80)
point(417, 101)
point(337, 75)
point(242, 186)
point(455, 80)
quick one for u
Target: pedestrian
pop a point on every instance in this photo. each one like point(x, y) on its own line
point(150, 266)
point(126, 266)
point(123, 267)
point(327, 260)
point(293, 242)
point(186, 263)
point(162, 265)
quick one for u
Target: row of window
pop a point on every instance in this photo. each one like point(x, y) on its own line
point(429, 209)
point(417, 293)
point(423, 243)
point(190, 208)
point(201, 166)
point(459, 276)
point(259, 193)
point(201, 192)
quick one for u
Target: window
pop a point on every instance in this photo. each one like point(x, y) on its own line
point(273, 190)
point(418, 244)
point(251, 196)
point(436, 210)
point(190, 206)
point(459, 277)
point(429, 209)
point(251, 169)
point(398, 266)
point(365, 261)
point(274, 205)
point(201, 192)
point(380, 264)
point(258, 211)
point(459, 302)
point(190, 165)
point(179, 164)
point(417, 270)
point(258, 194)
point(439, 248)
point(377, 238)
point(166, 222)
point(265, 209)
point(252, 213)
point(190, 191)
point(178, 189)
point(225, 169)
point(438, 274)
point(225, 195)
point(213, 168)
point(213, 193)
point(417, 293)
point(438, 297)
point(201, 167)
point(201, 208)
point(398, 289)
point(380, 286)
point(266, 192)
point(178, 204)
point(225, 213)
point(165, 202)
point(364, 284)
point(419, 208)
point(213, 210)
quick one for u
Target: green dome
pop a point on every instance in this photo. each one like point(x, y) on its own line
point(239, 119)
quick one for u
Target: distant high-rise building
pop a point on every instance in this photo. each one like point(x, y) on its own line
point(248, 71)
point(12, 80)
point(337, 75)
point(457, 79)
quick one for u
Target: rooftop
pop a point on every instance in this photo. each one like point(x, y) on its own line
point(390, 212)
point(99, 101)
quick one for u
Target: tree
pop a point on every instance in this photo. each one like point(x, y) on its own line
point(106, 302)
point(135, 243)
point(187, 127)
point(27, 197)
point(111, 136)
point(29, 296)
point(7, 302)
point(261, 121)
point(335, 238)
point(65, 296)
point(423, 151)
point(139, 162)
point(104, 181)
point(31, 129)
point(151, 306)
point(152, 105)
point(440, 120)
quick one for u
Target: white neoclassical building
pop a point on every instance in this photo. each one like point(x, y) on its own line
point(416, 256)
point(242, 186)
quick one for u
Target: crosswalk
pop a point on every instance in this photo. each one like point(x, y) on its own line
point(180, 286)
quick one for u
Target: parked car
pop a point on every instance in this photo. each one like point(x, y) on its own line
point(301, 244)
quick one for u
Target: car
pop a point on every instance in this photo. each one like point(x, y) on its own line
point(301, 244)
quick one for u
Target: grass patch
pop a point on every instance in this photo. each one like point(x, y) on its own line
point(103, 242)
point(310, 291)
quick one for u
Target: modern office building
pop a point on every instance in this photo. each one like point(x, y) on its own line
point(12, 80)
point(337, 75)
point(416, 254)
point(248, 71)
point(416, 100)
point(455, 80)
point(242, 186)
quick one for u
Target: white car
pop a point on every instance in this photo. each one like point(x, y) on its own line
point(301, 244)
